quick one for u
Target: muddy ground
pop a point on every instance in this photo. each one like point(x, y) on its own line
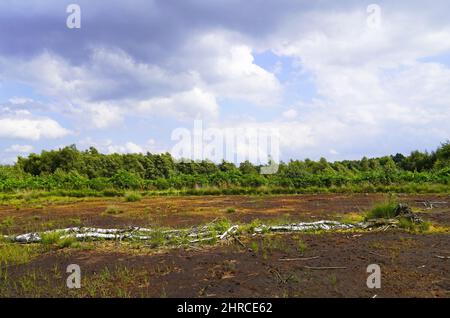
point(281, 265)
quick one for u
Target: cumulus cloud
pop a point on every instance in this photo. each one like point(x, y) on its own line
point(374, 90)
point(22, 124)
point(193, 103)
point(31, 128)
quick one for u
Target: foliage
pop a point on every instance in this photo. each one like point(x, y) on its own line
point(385, 210)
point(71, 172)
point(133, 197)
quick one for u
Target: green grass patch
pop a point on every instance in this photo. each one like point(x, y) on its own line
point(133, 197)
point(68, 242)
point(50, 238)
point(385, 210)
point(7, 222)
point(113, 210)
point(14, 254)
point(230, 210)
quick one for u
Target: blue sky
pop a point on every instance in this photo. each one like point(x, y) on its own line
point(332, 80)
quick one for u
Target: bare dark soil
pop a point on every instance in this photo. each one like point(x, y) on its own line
point(409, 268)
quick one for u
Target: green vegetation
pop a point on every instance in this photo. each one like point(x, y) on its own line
point(385, 210)
point(13, 254)
point(133, 197)
point(301, 246)
point(112, 209)
point(7, 222)
point(74, 173)
point(68, 242)
point(231, 210)
point(50, 238)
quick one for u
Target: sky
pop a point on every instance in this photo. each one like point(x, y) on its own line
point(334, 79)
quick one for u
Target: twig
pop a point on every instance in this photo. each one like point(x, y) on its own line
point(442, 257)
point(298, 259)
point(242, 244)
point(327, 267)
point(227, 232)
point(205, 239)
point(379, 254)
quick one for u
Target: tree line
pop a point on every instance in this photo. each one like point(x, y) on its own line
point(70, 168)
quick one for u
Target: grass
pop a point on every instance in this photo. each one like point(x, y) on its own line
point(421, 227)
point(13, 254)
point(301, 246)
point(230, 210)
point(113, 210)
point(384, 210)
point(7, 223)
point(68, 242)
point(133, 197)
point(50, 238)
point(351, 218)
point(387, 210)
point(37, 196)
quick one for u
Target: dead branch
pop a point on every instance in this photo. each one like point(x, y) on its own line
point(298, 259)
point(228, 232)
point(373, 253)
point(324, 268)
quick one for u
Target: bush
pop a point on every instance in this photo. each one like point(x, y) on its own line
point(126, 180)
point(133, 197)
point(50, 238)
point(385, 210)
point(113, 210)
point(69, 241)
point(231, 210)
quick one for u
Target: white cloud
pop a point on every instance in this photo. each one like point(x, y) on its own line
point(31, 128)
point(372, 87)
point(290, 114)
point(20, 100)
point(189, 104)
point(20, 149)
point(131, 147)
point(226, 65)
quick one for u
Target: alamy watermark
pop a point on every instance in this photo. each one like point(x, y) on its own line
point(374, 16)
point(74, 19)
point(74, 279)
point(374, 279)
point(258, 145)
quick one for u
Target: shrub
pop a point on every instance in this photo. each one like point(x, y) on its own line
point(7, 222)
point(69, 241)
point(384, 210)
point(126, 180)
point(50, 238)
point(231, 210)
point(133, 197)
point(112, 209)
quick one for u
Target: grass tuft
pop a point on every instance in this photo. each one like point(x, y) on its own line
point(113, 210)
point(385, 210)
point(50, 238)
point(133, 197)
